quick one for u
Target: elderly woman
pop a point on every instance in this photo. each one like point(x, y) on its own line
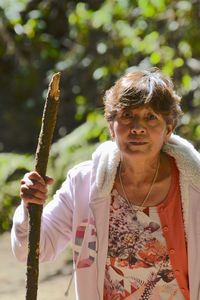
point(132, 212)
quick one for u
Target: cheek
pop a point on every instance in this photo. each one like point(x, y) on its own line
point(159, 135)
point(120, 131)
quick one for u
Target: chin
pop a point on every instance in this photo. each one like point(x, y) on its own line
point(137, 152)
point(141, 151)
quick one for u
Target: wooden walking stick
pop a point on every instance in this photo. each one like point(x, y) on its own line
point(41, 159)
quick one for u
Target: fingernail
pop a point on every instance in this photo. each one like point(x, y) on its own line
point(29, 182)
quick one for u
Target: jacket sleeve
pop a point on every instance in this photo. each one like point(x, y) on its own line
point(56, 225)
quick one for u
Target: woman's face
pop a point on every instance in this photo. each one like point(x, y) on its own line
point(140, 131)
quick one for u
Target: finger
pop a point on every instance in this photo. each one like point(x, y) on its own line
point(34, 176)
point(35, 189)
point(35, 181)
point(30, 199)
point(34, 185)
point(49, 180)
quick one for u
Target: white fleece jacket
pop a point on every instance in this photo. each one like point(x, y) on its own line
point(80, 212)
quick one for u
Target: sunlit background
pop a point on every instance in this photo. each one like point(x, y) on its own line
point(91, 43)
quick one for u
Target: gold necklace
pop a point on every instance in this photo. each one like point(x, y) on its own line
point(147, 195)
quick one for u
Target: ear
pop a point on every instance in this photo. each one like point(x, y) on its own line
point(169, 131)
point(111, 130)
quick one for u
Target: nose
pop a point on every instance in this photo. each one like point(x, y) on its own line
point(137, 128)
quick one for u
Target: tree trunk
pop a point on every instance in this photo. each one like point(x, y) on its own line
point(35, 211)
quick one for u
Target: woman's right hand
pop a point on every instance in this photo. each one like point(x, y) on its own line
point(33, 188)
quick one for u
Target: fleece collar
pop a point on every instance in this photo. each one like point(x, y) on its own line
point(107, 157)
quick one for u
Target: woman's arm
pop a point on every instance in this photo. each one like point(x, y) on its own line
point(56, 222)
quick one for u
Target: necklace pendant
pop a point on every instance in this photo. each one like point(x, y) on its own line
point(134, 217)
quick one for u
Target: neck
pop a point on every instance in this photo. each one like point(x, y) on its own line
point(142, 170)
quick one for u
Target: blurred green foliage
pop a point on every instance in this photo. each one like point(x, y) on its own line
point(12, 168)
point(92, 43)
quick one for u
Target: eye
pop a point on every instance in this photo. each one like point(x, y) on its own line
point(151, 117)
point(126, 114)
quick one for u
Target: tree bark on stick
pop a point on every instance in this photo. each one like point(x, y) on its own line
point(41, 159)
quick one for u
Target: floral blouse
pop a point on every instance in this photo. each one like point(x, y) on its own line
point(138, 265)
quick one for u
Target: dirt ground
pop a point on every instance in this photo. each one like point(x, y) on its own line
point(53, 278)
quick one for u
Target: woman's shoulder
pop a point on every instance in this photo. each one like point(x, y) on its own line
point(81, 168)
point(186, 156)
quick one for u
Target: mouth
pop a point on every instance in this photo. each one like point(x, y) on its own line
point(137, 143)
